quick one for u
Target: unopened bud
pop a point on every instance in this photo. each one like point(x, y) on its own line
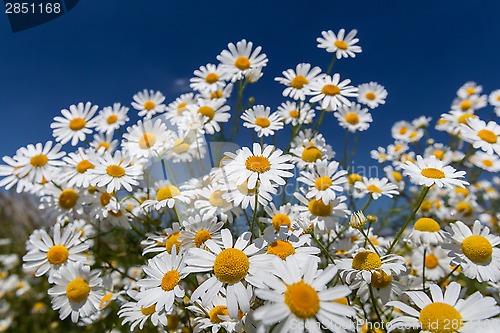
point(358, 220)
point(251, 100)
point(371, 218)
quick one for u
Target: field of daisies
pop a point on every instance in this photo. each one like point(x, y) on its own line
point(213, 213)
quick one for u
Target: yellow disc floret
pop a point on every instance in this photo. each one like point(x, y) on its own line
point(259, 164)
point(330, 90)
point(231, 265)
point(207, 111)
point(341, 44)
point(115, 171)
point(440, 318)
point(57, 254)
point(302, 300)
point(311, 154)
point(432, 173)
point(68, 198)
point(477, 248)
point(173, 240)
point(147, 140)
point(39, 161)
point(366, 261)
point(280, 219)
point(323, 183)
point(431, 261)
point(319, 208)
point(427, 224)
point(83, 166)
point(242, 63)
point(149, 105)
point(78, 290)
point(262, 122)
point(299, 81)
point(281, 249)
point(170, 280)
point(77, 124)
point(380, 279)
point(352, 118)
point(488, 136)
point(201, 237)
point(167, 192)
point(212, 78)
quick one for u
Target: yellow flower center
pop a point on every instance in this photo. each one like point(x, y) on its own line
point(340, 44)
point(431, 261)
point(39, 161)
point(78, 290)
point(465, 105)
point(463, 118)
point(212, 78)
point(330, 90)
point(488, 163)
point(231, 265)
point(302, 300)
point(170, 280)
point(373, 189)
point(207, 111)
point(294, 114)
point(462, 191)
point(281, 249)
point(262, 122)
point(77, 124)
point(115, 171)
point(219, 310)
point(342, 300)
point(397, 176)
point(149, 105)
point(68, 198)
point(201, 237)
point(242, 63)
point(217, 200)
point(487, 135)
point(366, 261)
point(354, 177)
point(427, 224)
point(105, 198)
point(432, 173)
point(323, 183)
point(104, 145)
point(112, 119)
point(167, 192)
point(299, 81)
point(464, 208)
point(105, 300)
point(259, 164)
point(180, 146)
point(57, 254)
point(403, 130)
point(370, 95)
point(352, 118)
point(442, 121)
point(318, 208)
point(83, 166)
point(149, 310)
point(181, 108)
point(470, 91)
point(380, 279)
point(439, 154)
point(311, 154)
point(440, 318)
point(173, 240)
point(477, 248)
point(426, 205)
point(279, 220)
point(147, 140)
point(216, 94)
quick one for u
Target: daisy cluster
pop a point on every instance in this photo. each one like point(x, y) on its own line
point(167, 225)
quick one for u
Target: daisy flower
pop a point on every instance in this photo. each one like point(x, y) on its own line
point(383, 286)
point(167, 195)
point(240, 59)
point(285, 215)
point(468, 89)
point(297, 298)
point(104, 143)
point(365, 263)
point(198, 229)
point(476, 251)
point(469, 104)
point(485, 161)
point(221, 93)
point(149, 103)
point(426, 231)
point(343, 46)
point(324, 180)
point(76, 172)
point(212, 111)
point(298, 80)
point(353, 117)
point(111, 118)
point(267, 166)
point(232, 265)
point(116, 171)
point(51, 253)
point(212, 201)
point(209, 78)
point(75, 124)
point(482, 135)
point(430, 171)
point(286, 243)
point(136, 315)
point(494, 98)
point(377, 187)
point(436, 261)
point(307, 148)
point(176, 109)
point(185, 146)
point(242, 196)
point(77, 291)
point(331, 92)
point(295, 114)
point(261, 120)
point(162, 283)
point(371, 94)
point(444, 312)
point(146, 139)
point(38, 162)
point(63, 200)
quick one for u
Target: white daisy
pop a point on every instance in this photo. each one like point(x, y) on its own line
point(485, 161)
point(146, 139)
point(371, 94)
point(111, 118)
point(76, 172)
point(286, 243)
point(469, 104)
point(307, 148)
point(242, 196)
point(261, 120)
point(75, 124)
point(377, 187)
point(468, 89)
point(212, 201)
point(426, 231)
point(199, 229)
point(324, 180)
point(353, 117)
point(38, 162)
point(298, 80)
point(240, 59)
point(212, 111)
point(167, 195)
point(149, 103)
point(482, 135)
point(209, 78)
point(331, 92)
point(343, 46)
point(494, 98)
point(436, 262)
point(137, 315)
point(295, 114)
point(176, 109)
point(104, 143)
point(284, 215)
point(183, 147)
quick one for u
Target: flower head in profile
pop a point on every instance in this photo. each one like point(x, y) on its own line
point(480, 134)
point(430, 171)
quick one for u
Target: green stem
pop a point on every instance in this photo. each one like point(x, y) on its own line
point(252, 227)
point(369, 241)
point(423, 269)
point(368, 202)
point(375, 307)
point(321, 246)
point(330, 66)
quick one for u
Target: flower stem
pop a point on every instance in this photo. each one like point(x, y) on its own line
point(321, 246)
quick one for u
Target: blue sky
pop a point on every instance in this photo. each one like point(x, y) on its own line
point(105, 51)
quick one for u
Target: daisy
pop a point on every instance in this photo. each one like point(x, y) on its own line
point(308, 148)
point(146, 139)
point(297, 298)
point(162, 283)
point(149, 103)
point(267, 166)
point(240, 59)
point(38, 162)
point(221, 93)
point(377, 187)
point(63, 200)
point(395, 177)
point(212, 201)
point(371, 94)
point(494, 98)
point(231, 267)
point(436, 261)
point(383, 287)
point(176, 109)
point(482, 135)
point(209, 78)
point(468, 89)
point(137, 315)
point(426, 231)
point(324, 180)
point(242, 196)
point(469, 104)
point(75, 124)
point(430, 171)
point(331, 92)
point(185, 146)
point(353, 118)
point(104, 143)
point(365, 263)
point(199, 229)
point(380, 155)
point(475, 251)
point(76, 172)
point(285, 215)
point(254, 75)
point(261, 120)
point(51, 253)
point(485, 161)
point(167, 195)
point(343, 46)
point(298, 80)
point(295, 114)
point(212, 111)
point(111, 118)
point(286, 243)
point(116, 171)
point(77, 291)
point(444, 312)
point(421, 122)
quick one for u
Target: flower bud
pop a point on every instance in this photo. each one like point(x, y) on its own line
point(371, 218)
point(358, 220)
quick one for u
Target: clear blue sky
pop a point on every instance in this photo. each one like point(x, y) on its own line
point(105, 51)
